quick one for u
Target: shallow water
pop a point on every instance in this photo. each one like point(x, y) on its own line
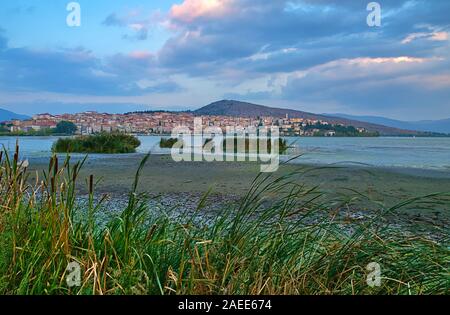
point(420, 153)
point(423, 153)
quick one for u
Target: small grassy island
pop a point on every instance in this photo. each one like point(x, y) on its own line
point(282, 145)
point(167, 143)
point(99, 143)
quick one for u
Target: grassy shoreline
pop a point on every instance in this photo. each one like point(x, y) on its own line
point(254, 247)
point(117, 172)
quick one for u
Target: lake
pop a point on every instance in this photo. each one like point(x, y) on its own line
point(422, 153)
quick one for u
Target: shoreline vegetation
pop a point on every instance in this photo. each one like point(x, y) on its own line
point(63, 128)
point(167, 143)
point(108, 143)
point(321, 130)
point(278, 239)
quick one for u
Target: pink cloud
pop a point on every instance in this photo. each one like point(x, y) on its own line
point(366, 68)
point(440, 36)
point(433, 36)
point(140, 55)
point(190, 10)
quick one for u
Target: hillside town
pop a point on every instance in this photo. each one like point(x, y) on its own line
point(162, 123)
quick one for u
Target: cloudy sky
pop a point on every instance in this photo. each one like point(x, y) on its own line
point(313, 55)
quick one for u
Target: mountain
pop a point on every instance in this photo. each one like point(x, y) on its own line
point(442, 126)
point(7, 115)
point(243, 109)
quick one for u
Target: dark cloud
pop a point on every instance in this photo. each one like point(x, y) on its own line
point(42, 106)
point(113, 20)
point(75, 71)
point(320, 31)
point(139, 28)
point(141, 34)
point(381, 84)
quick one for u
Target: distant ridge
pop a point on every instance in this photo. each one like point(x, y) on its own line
point(442, 125)
point(244, 109)
point(6, 115)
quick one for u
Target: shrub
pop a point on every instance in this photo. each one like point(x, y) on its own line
point(282, 144)
point(65, 127)
point(98, 143)
point(167, 143)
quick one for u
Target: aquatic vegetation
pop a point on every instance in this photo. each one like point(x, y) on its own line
point(167, 143)
point(98, 143)
point(235, 148)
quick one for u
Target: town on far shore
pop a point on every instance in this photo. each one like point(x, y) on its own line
point(162, 123)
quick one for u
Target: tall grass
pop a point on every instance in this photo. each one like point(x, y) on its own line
point(280, 239)
point(98, 143)
point(167, 142)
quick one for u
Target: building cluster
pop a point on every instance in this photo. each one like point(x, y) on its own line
point(162, 123)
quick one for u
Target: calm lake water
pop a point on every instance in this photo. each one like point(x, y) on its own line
point(422, 153)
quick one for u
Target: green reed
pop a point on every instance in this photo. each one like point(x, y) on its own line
point(281, 238)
